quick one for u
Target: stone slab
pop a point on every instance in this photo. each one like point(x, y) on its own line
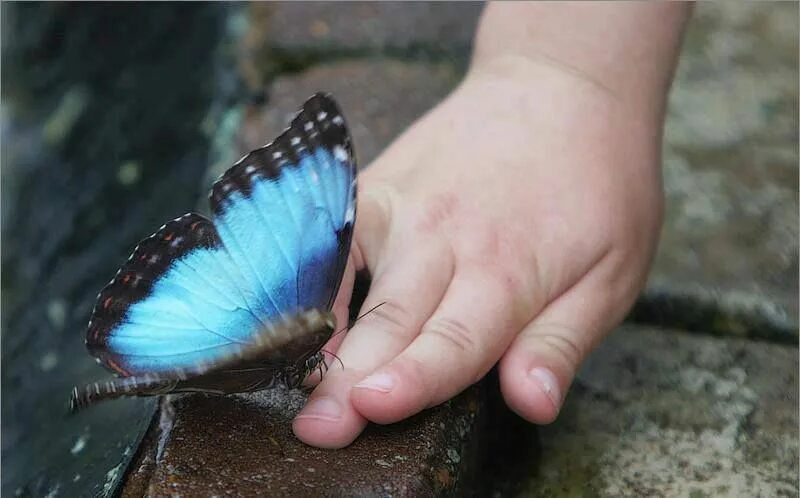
point(667, 413)
point(731, 162)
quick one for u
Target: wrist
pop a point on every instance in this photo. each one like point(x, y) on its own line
point(542, 85)
point(628, 50)
point(561, 110)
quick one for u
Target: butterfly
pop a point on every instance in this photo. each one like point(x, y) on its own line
point(241, 301)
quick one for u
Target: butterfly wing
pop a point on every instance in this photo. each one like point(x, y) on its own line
point(196, 290)
point(285, 212)
point(172, 304)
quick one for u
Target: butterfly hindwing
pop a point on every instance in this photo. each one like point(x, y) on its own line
point(199, 290)
point(169, 303)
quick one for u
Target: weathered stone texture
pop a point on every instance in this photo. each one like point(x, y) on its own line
point(665, 413)
point(243, 445)
point(731, 157)
point(327, 26)
point(380, 99)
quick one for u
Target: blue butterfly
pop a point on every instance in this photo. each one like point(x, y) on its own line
point(242, 301)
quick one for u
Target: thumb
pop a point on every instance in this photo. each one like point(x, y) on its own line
point(539, 366)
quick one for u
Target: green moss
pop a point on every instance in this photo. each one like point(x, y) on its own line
point(577, 475)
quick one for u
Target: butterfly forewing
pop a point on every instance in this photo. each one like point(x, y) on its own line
point(301, 186)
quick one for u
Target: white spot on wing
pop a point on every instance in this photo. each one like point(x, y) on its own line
point(321, 115)
point(295, 140)
point(339, 153)
point(308, 126)
point(337, 120)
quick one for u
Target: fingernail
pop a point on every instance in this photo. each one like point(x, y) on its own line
point(324, 408)
point(548, 383)
point(381, 382)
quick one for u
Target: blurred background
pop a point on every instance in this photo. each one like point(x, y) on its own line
point(116, 118)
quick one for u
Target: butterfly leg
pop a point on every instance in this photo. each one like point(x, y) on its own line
point(319, 367)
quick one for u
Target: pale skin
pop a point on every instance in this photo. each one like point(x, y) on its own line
point(514, 223)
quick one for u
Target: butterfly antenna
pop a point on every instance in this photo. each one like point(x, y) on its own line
point(343, 329)
point(340, 360)
point(370, 311)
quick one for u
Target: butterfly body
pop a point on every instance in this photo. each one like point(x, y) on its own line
point(240, 301)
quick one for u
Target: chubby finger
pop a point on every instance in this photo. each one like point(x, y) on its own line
point(459, 343)
point(410, 289)
point(406, 295)
point(540, 364)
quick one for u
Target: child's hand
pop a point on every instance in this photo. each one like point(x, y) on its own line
point(513, 223)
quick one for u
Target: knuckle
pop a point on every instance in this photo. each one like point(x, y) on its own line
point(453, 332)
point(420, 375)
point(565, 344)
point(437, 212)
point(392, 318)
